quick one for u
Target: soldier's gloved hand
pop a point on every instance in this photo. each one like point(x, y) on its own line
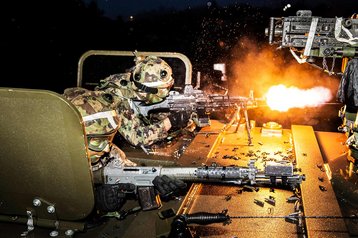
point(167, 186)
point(111, 197)
point(179, 119)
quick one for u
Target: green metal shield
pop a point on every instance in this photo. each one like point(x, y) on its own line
point(44, 167)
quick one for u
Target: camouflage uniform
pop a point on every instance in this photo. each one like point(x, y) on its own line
point(109, 109)
point(101, 124)
point(134, 128)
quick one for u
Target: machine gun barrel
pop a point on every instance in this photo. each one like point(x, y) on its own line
point(234, 175)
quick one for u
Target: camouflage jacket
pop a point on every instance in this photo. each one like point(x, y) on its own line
point(131, 125)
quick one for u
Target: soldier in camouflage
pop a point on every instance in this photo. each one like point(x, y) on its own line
point(110, 109)
point(101, 122)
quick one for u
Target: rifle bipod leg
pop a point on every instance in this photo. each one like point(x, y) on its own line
point(248, 126)
point(237, 118)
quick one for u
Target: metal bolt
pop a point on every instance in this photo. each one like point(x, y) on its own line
point(36, 202)
point(69, 233)
point(51, 209)
point(54, 233)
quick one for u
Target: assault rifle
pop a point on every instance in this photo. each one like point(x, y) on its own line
point(315, 37)
point(139, 179)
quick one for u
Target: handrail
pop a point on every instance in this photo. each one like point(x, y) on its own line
point(185, 59)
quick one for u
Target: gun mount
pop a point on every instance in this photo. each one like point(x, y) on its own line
point(314, 37)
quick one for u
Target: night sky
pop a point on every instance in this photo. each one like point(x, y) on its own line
point(42, 40)
point(124, 8)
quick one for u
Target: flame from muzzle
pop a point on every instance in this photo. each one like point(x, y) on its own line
point(281, 98)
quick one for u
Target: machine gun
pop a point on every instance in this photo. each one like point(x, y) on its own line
point(315, 37)
point(196, 101)
point(141, 178)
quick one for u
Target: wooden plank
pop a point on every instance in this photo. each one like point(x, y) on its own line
point(315, 201)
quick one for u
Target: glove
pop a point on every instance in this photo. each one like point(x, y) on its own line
point(111, 197)
point(179, 119)
point(167, 186)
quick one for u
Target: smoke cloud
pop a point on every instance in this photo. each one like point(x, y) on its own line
point(256, 67)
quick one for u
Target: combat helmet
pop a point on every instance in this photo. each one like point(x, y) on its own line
point(152, 78)
point(101, 122)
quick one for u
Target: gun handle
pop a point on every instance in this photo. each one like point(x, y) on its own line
point(148, 200)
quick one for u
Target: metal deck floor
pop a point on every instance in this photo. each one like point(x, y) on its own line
point(299, 144)
point(209, 146)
